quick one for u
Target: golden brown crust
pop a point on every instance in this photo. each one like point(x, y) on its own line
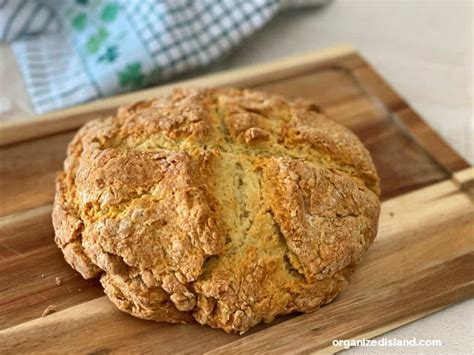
point(225, 206)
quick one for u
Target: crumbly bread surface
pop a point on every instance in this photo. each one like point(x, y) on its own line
point(225, 206)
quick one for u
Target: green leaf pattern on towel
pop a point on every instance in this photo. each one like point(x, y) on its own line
point(79, 22)
point(94, 20)
point(96, 40)
point(131, 76)
point(109, 12)
point(104, 15)
point(110, 54)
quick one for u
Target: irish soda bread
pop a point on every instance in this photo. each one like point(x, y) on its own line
point(225, 206)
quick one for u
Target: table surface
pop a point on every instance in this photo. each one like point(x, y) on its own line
point(423, 48)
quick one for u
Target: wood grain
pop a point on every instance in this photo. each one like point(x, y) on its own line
point(408, 120)
point(28, 170)
point(414, 267)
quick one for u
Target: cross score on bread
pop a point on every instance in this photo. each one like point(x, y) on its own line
point(224, 206)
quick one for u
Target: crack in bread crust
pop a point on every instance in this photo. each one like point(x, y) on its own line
point(225, 206)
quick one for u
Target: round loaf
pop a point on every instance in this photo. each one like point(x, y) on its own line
point(225, 206)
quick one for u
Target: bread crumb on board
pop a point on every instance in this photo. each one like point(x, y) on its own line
point(50, 309)
point(59, 281)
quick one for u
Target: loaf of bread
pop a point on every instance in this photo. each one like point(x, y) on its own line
point(228, 207)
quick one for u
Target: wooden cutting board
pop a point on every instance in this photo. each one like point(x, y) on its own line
point(421, 261)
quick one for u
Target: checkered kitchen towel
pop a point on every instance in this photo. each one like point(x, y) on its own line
point(72, 51)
